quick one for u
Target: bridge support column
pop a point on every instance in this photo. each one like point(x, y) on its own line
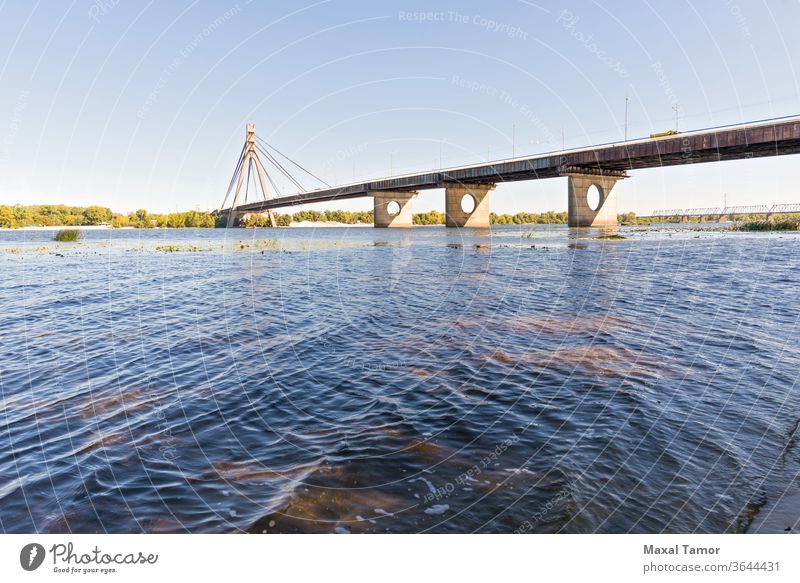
point(456, 216)
point(404, 217)
point(248, 159)
point(580, 214)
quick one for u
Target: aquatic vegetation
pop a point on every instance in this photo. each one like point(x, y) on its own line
point(265, 244)
point(614, 237)
point(67, 236)
point(185, 248)
point(783, 224)
point(258, 244)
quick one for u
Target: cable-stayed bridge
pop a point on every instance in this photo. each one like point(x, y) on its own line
point(467, 188)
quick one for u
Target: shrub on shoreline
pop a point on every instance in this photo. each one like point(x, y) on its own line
point(67, 236)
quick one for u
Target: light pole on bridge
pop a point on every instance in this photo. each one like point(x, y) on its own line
point(514, 140)
point(626, 118)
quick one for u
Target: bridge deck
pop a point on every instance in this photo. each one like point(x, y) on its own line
point(773, 138)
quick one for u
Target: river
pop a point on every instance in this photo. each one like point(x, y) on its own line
point(399, 380)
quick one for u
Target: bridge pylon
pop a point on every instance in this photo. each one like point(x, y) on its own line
point(249, 160)
point(580, 213)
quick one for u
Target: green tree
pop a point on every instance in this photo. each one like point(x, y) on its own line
point(94, 215)
point(7, 218)
point(142, 218)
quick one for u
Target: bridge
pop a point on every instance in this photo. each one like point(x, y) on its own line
point(467, 188)
point(722, 214)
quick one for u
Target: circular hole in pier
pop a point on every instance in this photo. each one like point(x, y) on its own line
point(593, 197)
point(468, 203)
point(393, 208)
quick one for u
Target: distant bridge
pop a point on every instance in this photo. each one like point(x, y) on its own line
point(467, 188)
point(723, 213)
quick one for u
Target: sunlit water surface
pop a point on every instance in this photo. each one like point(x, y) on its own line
point(428, 379)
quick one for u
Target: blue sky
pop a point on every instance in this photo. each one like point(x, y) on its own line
point(144, 104)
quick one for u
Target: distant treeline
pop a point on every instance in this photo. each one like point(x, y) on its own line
point(632, 219)
point(141, 219)
point(284, 220)
point(53, 215)
point(73, 216)
point(366, 217)
point(57, 215)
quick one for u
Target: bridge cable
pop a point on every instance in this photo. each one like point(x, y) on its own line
point(278, 165)
point(272, 182)
point(247, 186)
point(292, 161)
point(233, 178)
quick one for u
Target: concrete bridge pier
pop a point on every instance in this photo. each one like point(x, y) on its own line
point(384, 217)
point(580, 214)
point(474, 195)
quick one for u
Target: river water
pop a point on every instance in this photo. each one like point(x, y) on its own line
point(385, 380)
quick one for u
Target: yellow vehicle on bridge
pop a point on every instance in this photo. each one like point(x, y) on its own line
point(664, 134)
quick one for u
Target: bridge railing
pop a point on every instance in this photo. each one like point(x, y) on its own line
point(756, 209)
point(785, 208)
point(702, 212)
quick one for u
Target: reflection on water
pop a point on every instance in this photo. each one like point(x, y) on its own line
point(360, 380)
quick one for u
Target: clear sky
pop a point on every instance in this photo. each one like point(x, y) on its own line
point(143, 104)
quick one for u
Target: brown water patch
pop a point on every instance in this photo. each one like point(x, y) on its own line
point(59, 524)
point(496, 480)
point(564, 325)
point(340, 510)
point(428, 451)
point(105, 441)
point(502, 357)
point(128, 401)
point(602, 360)
point(475, 276)
point(338, 501)
point(469, 324)
point(162, 525)
point(252, 470)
